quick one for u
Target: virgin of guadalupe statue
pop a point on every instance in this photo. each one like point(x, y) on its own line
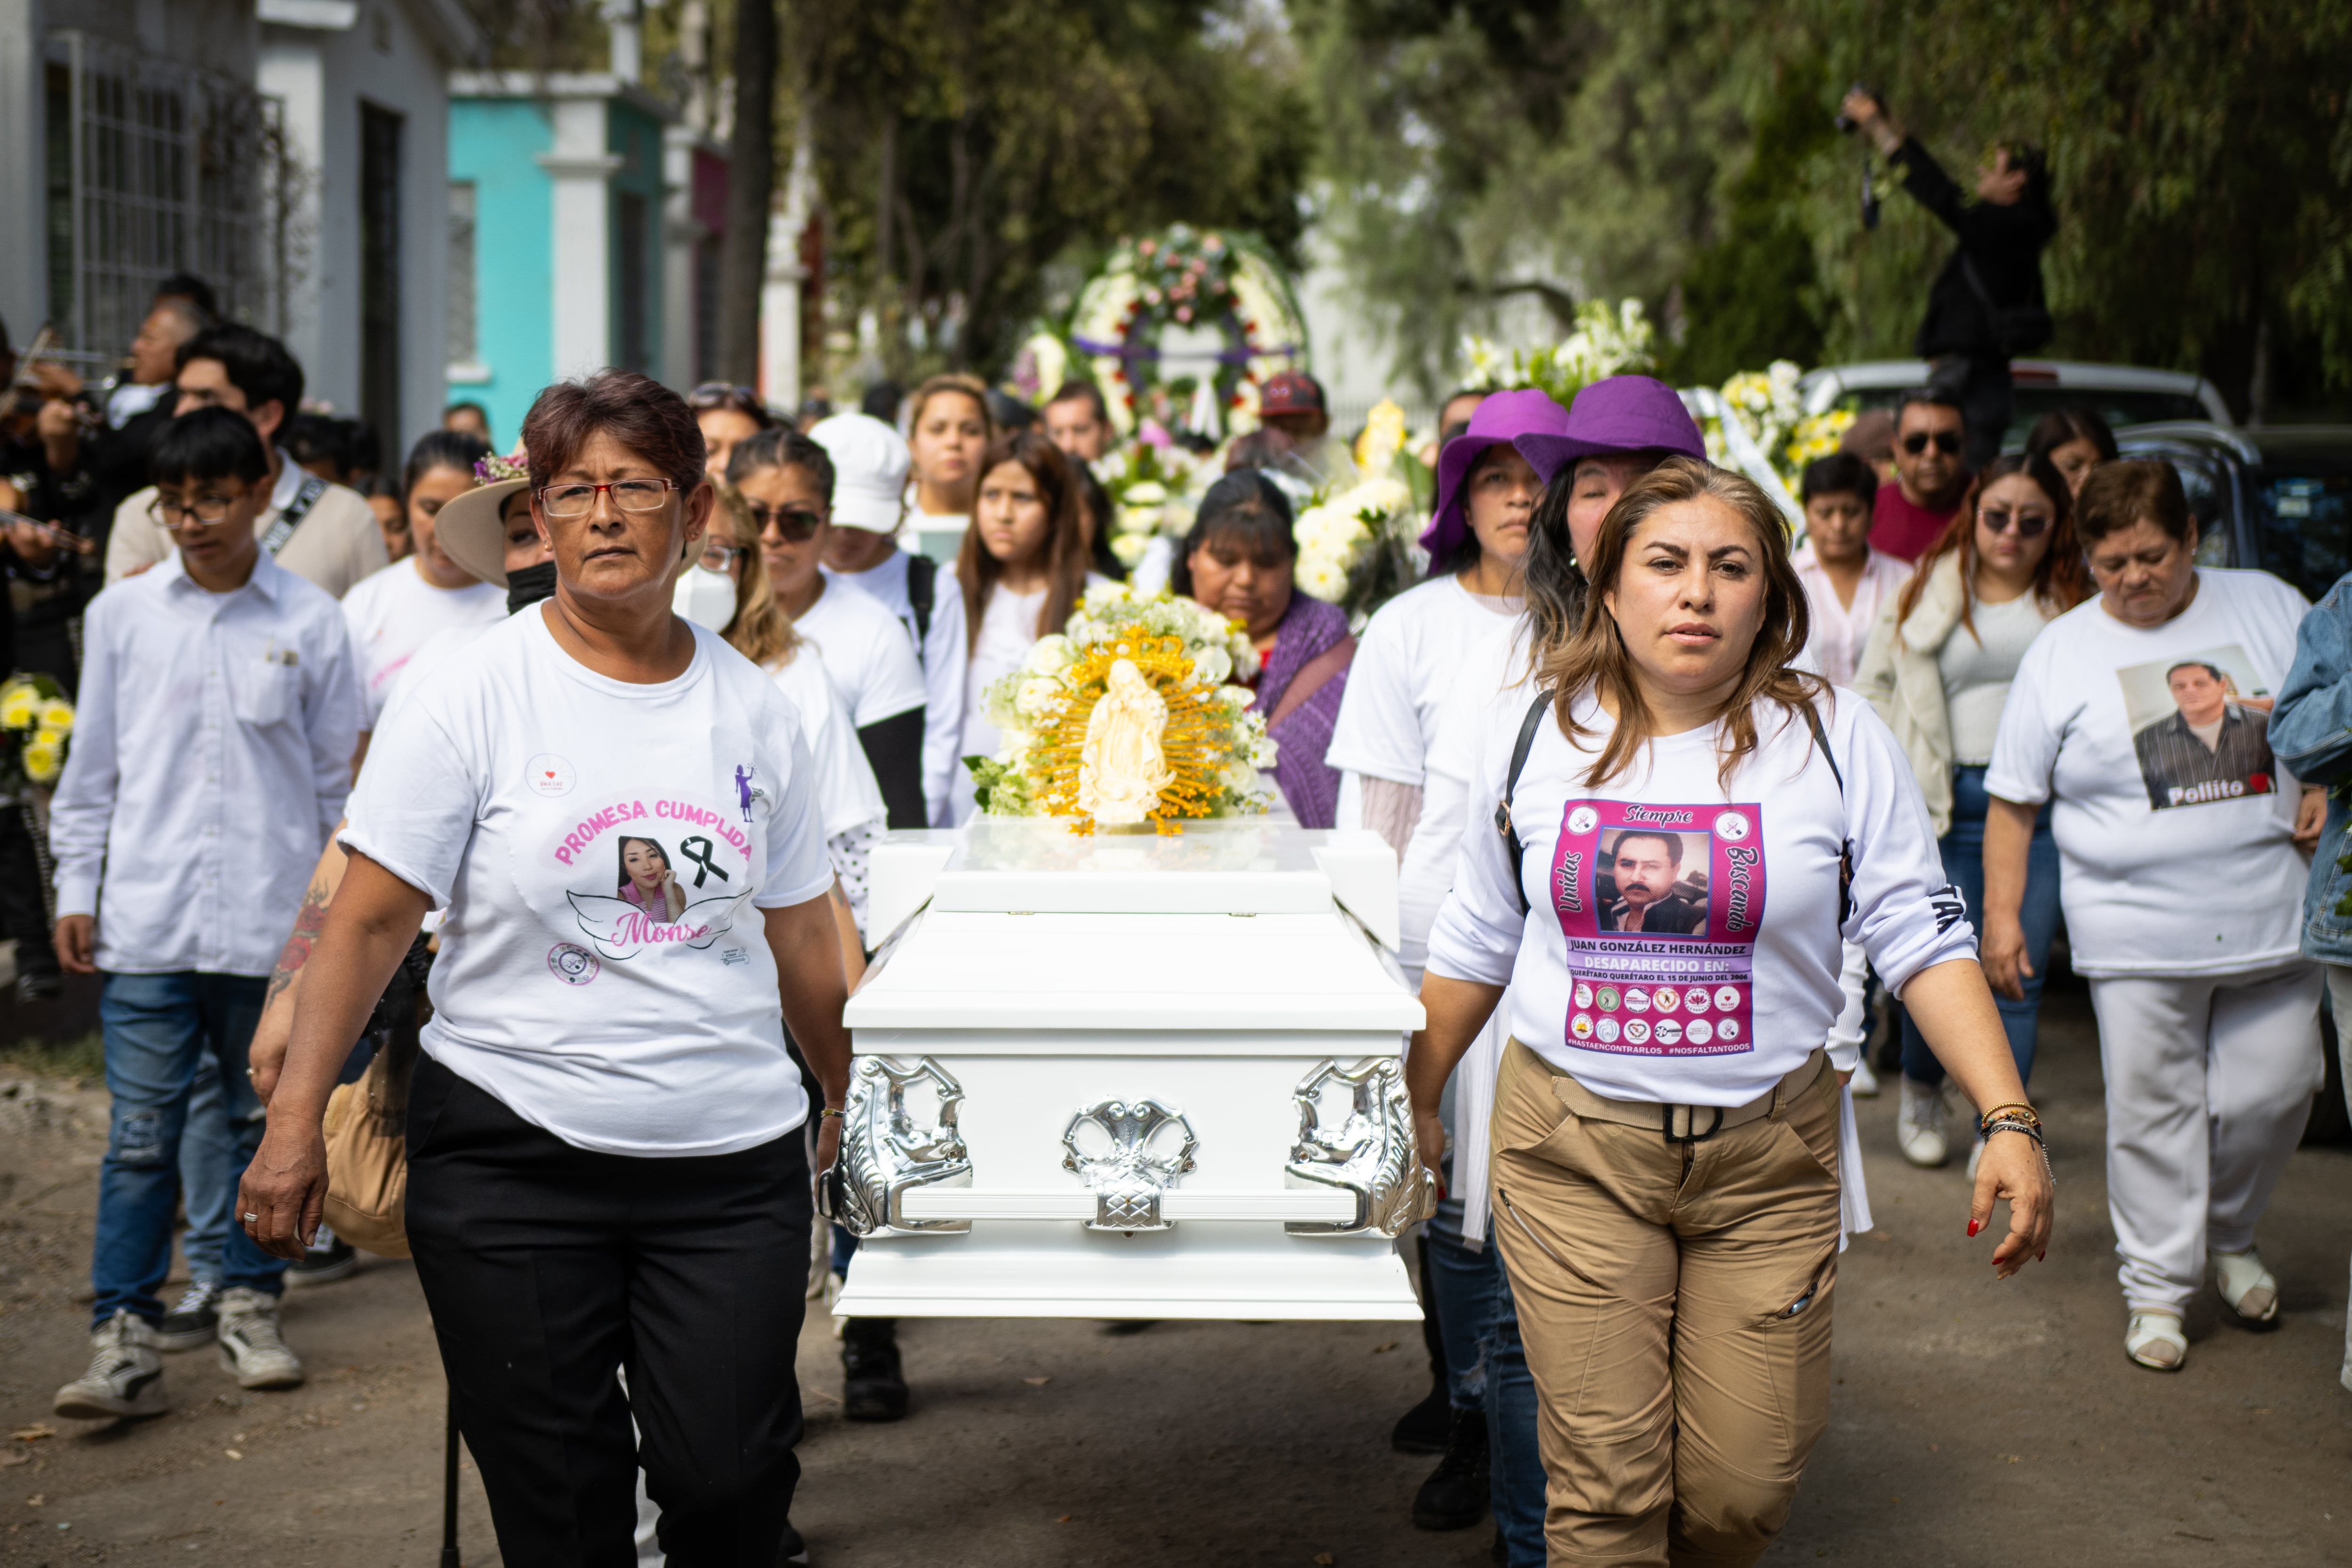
point(1121, 768)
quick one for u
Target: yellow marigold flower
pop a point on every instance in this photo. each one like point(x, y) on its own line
point(58, 716)
point(42, 762)
point(19, 709)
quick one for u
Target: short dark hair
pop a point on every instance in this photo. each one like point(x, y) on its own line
point(1245, 506)
point(1078, 387)
point(782, 447)
point(187, 285)
point(1009, 411)
point(195, 317)
point(2117, 495)
point(1839, 474)
point(634, 410)
point(1448, 432)
point(255, 364)
point(441, 449)
point(1673, 842)
point(2065, 426)
point(208, 443)
point(1934, 397)
point(2210, 669)
point(735, 398)
point(881, 402)
point(2028, 159)
point(316, 437)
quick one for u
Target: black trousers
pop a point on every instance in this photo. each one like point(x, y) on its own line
point(1988, 403)
point(549, 1269)
point(24, 893)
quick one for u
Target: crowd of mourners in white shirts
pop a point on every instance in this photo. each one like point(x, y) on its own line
point(1673, 804)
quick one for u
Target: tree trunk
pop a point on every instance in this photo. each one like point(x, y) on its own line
point(751, 188)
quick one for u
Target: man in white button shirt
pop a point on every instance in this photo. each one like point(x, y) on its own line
point(314, 529)
point(210, 761)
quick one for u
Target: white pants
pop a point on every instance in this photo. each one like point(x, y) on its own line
point(2209, 1079)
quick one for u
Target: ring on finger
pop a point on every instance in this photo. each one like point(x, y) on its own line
point(252, 1220)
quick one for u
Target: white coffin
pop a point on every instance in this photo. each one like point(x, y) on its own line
point(1099, 1001)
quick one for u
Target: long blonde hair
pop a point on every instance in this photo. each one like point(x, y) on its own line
point(1593, 656)
point(761, 630)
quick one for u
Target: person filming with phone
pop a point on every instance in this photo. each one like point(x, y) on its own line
point(1986, 305)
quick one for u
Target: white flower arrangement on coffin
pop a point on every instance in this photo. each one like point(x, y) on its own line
point(1209, 747)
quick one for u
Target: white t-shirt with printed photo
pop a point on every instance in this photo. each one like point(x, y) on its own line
point(848, 796)
point(604, 850)
point(1684, 943)
point(394, 612)
point(867, 650)
point(1425, 653)
point(2175, 836)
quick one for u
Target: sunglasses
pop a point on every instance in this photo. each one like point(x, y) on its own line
point(1947, 442)
point(798, 525)
point(2030, 525)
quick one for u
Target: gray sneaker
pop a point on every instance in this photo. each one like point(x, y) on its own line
point(189, 1324)
point(125, 1376)
point(250, 1345)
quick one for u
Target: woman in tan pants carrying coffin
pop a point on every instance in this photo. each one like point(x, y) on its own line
point(1695, 825)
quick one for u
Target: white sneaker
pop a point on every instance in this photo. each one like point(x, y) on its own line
point(250, 1344)
point(2251, 1289)
point(1865, 1082)
point(1919, 1125)
point(190, 1324)
point(125, 1376)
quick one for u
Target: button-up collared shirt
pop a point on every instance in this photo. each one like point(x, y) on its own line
point(1841, 631)
point(210, 761)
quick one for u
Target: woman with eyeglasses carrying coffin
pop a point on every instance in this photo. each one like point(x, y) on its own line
point(608, 1166)
point(1686, 827)
point(1937, 668)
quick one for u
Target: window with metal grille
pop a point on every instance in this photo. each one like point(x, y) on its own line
point(464, 343)
point(156, 168)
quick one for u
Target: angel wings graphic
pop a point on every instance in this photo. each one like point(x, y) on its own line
point(618, 929)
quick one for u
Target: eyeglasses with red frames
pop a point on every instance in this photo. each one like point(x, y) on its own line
point(628, 495)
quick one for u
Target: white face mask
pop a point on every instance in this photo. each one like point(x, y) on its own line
point(705, 597)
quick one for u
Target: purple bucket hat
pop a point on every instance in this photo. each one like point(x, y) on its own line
point(1622, 414)
point(1520, 418)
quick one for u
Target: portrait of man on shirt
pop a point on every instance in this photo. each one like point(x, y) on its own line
point(1645, 889)
point(2214, 745)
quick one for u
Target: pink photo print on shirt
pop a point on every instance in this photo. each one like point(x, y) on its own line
point(1660, 906)
point(667, 874)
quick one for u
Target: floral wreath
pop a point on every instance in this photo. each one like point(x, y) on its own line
point(1211, 744)
point(1180, 277)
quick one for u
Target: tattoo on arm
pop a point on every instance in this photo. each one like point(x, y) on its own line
point(307, 923)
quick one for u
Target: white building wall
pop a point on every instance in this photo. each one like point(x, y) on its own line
point(322, 58)
point(579, 170)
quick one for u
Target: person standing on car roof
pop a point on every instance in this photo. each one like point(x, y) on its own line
point(1986, 306)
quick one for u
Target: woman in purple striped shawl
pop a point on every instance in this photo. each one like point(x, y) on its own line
point(1240, 561)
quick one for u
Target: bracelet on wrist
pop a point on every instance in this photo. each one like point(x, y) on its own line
point(831, 1111)
point(2015, 1110)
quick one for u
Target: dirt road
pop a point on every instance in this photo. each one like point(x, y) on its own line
point(1976, 1423)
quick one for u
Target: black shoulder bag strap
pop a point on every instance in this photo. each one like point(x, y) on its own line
point(291, 518)
point(1502, 823)
point(922, 595)
point(1845, 844)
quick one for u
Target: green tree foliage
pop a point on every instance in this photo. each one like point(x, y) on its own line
point(962, 148)
point(2200, 151)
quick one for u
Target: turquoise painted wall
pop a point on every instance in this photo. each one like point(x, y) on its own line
point(493, 142)
point(635, 138)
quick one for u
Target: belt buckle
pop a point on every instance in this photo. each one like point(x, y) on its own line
point(1687, 1115)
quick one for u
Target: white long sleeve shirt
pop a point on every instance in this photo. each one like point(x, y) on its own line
point(943, 655)
point(211, 756)
point(1684, 941)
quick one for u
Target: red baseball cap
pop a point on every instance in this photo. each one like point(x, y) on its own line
point(1291, 392)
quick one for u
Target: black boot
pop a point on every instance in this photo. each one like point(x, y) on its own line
point(1454, 1496)
point(872, 1387)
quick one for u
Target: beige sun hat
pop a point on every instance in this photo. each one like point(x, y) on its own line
point(469, 528)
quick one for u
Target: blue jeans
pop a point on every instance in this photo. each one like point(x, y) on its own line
point(156, 1029)
point(1963, 852)
point(1486, 1367)
point(208, 1161)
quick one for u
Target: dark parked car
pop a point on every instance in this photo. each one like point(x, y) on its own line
point(2279, 498)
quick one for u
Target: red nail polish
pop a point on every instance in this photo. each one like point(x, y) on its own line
point(1975, 1226)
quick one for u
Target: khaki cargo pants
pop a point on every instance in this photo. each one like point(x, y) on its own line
point(1674, 1299)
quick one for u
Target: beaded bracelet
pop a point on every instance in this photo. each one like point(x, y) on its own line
point(2021, 1112)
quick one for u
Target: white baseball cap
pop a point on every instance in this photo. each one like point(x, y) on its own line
point(869, 470)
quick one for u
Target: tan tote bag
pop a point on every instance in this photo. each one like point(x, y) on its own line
point(367, 1161)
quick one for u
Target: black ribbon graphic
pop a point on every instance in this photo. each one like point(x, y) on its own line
point(699, 850)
